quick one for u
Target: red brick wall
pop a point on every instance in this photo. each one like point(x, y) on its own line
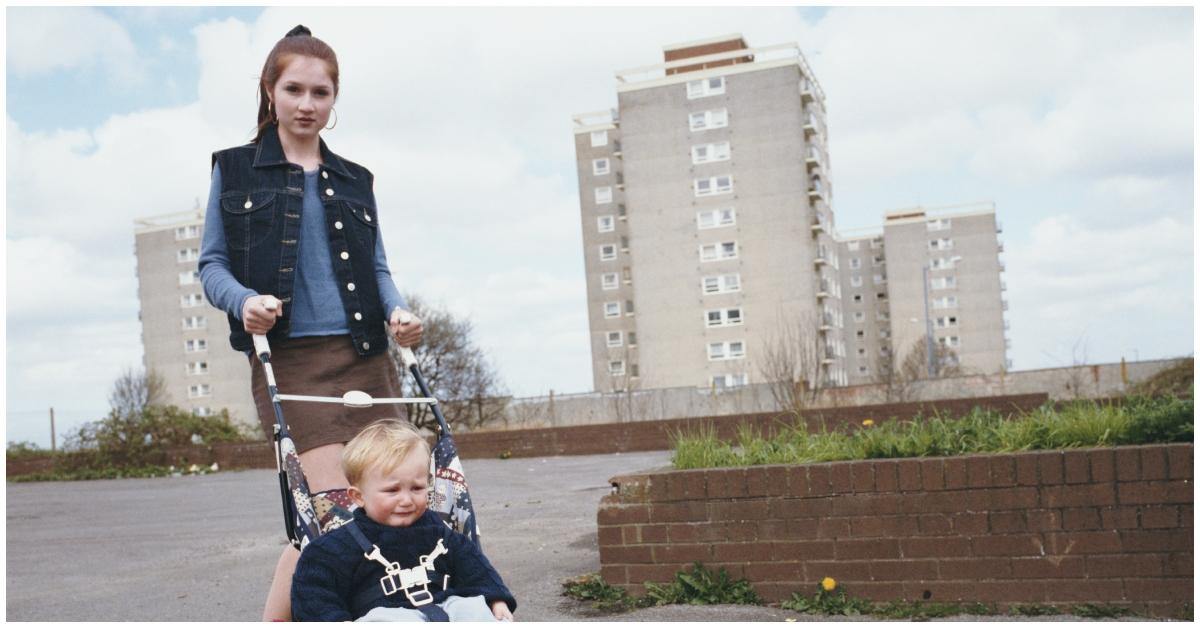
point(656, 435)
point(1105, 526)
point(706, 49)
point(600, 438)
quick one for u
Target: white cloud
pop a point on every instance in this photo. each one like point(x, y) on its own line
point(41, 40)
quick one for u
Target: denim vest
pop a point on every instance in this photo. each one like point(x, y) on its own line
point(261, 198)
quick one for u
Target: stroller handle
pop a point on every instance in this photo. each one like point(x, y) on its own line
point(261, 346)
point(406, 354)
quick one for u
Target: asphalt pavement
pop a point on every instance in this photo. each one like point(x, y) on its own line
point(203, 548)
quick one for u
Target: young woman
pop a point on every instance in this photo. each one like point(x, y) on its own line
point(290, 220)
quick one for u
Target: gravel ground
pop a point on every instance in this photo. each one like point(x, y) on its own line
point(204, 548)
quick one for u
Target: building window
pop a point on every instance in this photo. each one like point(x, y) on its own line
point(706, 153)
point(713, 218)
point(713, 185)
point(188, 232)
point(724, 317)
point(190, 254)
point(189, 277)
point(729, 380)
point(944, 263)
point(860, 334)
point(877, 260)
point(859, 317)
point(855, 281)
point(197, 368)
point(714, 119)
point(730, 350)
point(191, 300)
point(855, 263)
point(612, 309)
point(196, 391)
point(633, 370)
point(717, 284)
point(195, 345)
point(626, 275)
point(195, 322)
point(614, 339)
point(706, 87)
point(879, 278)
point(628, 307)
point(949, 341)
point(941, 244)
point(862, 370)
point(858, 298)
point(943, 322)
point(633, 338)
point(942, 283)
point(881, 296)
point(604, 195)
point(943, 303)
point(940, 224)
point(718, 251)
point(604, 224)
point(599, 138)
point(852, 245)
point(608, 281)
point(202, 411)
point(608, 252)
point(600, 166)
point(616, 368)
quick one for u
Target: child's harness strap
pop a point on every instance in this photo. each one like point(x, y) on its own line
point(398, 579)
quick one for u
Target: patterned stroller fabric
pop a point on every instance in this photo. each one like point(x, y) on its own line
point(450, 497)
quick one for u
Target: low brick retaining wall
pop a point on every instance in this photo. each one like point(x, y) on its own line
point(1104, 526)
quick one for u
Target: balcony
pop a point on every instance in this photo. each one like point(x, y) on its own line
point(820, 260)
point(620, 180)
point(818, 226)
point(616, 144)
point(810, 126)
point(1003, 287)
point(1004, 304)
point(807, 94)
point(826, 323)
point(1001, 266)
point(1000, 246)
point(999, 227)
point(813, 160)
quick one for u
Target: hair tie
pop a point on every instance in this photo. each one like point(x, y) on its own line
point(300, 30)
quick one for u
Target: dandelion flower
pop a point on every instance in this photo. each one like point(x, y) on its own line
point(215, 467)
point(868, 422)
point(828, 584)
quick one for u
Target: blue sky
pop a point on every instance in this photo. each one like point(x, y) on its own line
point(1076, 123)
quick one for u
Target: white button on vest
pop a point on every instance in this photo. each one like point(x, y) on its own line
point(350, 287)
point(328, 191)
point(358, 316)
point(248, 205)
point(345, 255)
point(366, 346)
point(367, 216)
point(337, 225)
point(325, 175)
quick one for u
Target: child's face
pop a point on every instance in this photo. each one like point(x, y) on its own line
point(397, 498)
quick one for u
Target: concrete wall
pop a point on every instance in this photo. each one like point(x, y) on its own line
point(1091, 381)
point(1102, 526)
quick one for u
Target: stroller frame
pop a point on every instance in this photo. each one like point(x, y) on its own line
point(300, 518)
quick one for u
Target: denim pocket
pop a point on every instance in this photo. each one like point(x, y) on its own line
point(248, 218)
point(364, 226)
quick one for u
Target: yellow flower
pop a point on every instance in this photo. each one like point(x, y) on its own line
point(868, 422)
point(828, 584)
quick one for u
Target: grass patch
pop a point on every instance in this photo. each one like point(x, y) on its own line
point(1137, 421)
point(1034, 610)
point(919, 609)
point(1100, 611)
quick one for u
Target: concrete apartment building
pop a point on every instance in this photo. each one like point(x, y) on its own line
point(707, 229)
point(706, 202)
point(934, 273)
point(185, 339)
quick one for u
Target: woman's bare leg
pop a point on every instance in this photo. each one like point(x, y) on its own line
point(323, 470)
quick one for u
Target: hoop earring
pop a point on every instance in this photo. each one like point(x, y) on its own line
point(335, 119)
point(271, 111)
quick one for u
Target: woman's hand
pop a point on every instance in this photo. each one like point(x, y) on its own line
point(257, 317)
point(500, 611)
point(407, 334)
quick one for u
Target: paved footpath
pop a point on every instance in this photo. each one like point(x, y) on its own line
point(204, 548)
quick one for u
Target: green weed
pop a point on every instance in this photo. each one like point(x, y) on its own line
point(603, 596)
point(702, 586)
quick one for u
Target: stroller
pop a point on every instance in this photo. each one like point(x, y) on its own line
point(448, 496)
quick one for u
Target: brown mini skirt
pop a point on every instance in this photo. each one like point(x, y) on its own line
point(323, 366)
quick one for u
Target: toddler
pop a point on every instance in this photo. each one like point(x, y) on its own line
point(395, 561)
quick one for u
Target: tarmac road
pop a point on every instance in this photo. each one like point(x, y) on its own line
point(203, 548)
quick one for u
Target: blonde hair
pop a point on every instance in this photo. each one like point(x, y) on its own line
point(384, 443)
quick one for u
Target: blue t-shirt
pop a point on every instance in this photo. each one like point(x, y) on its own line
point(315, 289)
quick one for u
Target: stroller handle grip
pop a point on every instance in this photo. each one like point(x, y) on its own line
point(261, 346)
point(406, 354)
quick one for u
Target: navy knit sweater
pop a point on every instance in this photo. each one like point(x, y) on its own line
point(334, 582)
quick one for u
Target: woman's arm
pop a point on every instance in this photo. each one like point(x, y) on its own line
point(220, 286)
